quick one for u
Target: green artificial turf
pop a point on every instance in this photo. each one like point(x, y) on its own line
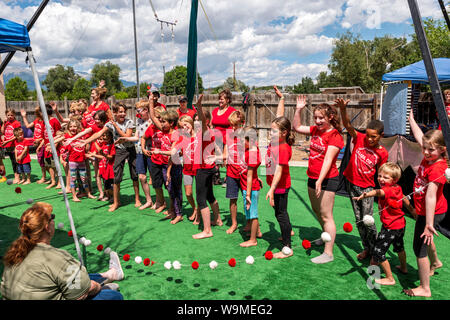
point(147, 234)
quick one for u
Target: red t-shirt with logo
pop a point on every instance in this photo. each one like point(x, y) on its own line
point(77, 152)
point(38, 127)
point(364, 161)
point(187, 145)
point(253, 160)
point(279, 155)
point(220, 122)
point(20, 146)
point(9, 132)
point(235, 156)
point(162, 141)
point(425, 174)
point(88, 116)
point(106, 166)
point(54, 127)
point(392, 215)
point(203, 150)
point(190, 112)
point(318, 148)
point(63, 152)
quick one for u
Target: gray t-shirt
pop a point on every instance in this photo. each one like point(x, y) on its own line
point(47, 273)
point(141, 127)
point(127, 124)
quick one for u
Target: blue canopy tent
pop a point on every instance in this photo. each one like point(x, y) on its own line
point(14, 37)
point(400, 94)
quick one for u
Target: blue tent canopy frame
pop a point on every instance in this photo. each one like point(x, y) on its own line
point(13, 36)
point(416, 72)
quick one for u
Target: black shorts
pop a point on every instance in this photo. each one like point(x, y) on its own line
point(158, 172)
point(204, 187)
point(384, 240)
point(123, 154)
point(330, 184)
point(420, 248)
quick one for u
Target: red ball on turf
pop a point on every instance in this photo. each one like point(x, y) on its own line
point(146, 261)
point(348, 227)
point(232, 262)
point(18, 190)
point(195, 265)
point(268, 255)
point(70, 233)
point(306, 244)
point(126, 257)
point(100, 247)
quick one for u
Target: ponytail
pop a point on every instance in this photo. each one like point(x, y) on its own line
point(32, 224)
point(284, 124)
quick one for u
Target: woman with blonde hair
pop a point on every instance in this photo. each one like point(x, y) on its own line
point(35, 270)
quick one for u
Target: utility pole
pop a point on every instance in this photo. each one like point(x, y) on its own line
point(136, 55)
point(164, 78)
point(234, 76)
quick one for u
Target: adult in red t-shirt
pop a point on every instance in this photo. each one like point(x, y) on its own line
point(183, 110)
point(326, 142)
point(97, 95)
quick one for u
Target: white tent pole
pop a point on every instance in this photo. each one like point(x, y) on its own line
point(54, 153)
point(381, 100)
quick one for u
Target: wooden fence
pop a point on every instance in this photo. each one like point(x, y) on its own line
point(260, 112)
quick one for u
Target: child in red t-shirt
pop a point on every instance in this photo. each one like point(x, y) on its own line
point(392, 218)
point(8, 139)
point(430, 204)
point(278, 177)
point(367, 155)
point(77, 155)
point(22, 154)
point(326, 142)
point(2, 155)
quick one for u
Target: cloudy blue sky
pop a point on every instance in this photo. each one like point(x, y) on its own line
point(270, 41)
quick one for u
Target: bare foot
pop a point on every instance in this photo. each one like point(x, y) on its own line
point(153, 207)
point(21, 181)
point(193, 215)
point(40, 181)
point(404, 271)
point(417, 292)
point(48, 182)
point(196, 221)
point(27, 182)
point(75, 199)
point(16, 181)
point(146, 205)
point(281, 255)
point(202, 235)
point(51, 185)
point(90, 196)
point(435, 266)
point(176, 220)
point(169, 216)
point(363, 255)
point(137, 204)
point(248, 243)
point(160, 208)
point(232, 229)
point(58, 186)
point(113, 207)
point(385, 281)
point(218, 222)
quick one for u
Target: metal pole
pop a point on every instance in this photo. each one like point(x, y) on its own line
point(431, 71)
point(444, 12)
point(136, 54)
point(29, 26)
point(54, 153)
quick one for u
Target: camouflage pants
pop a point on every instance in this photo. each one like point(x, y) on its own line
point(362, 207)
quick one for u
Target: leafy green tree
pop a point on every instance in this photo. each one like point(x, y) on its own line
point(81, 89)
point(122, 95)
point(110, 73)
point(175, 81)
point(16, 90)
point(438, 37)
point(60, 79)
point(325, 80)
point(132, 92)
point(306, 86)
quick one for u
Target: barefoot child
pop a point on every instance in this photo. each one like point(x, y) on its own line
point(77, 156)
point(367, 155)
point(392, 217)
point(430, 204)
point(323, 180)
point(278, 176)
point(250, 185)
point(22, 154)
point(8, 140)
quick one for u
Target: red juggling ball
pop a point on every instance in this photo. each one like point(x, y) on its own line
point(146, 261)
point(195, 265)
point(306, 244)
point(100, 247)
point(232, 262)
point(126, 257)
point(268, 255)
point(348, 227)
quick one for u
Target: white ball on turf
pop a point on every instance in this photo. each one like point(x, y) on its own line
point(325, 236)
point(87, 242)
point(368, 220)
point(286, 251)
point(83, 240)
point(107, 250)
point(9, 182)
point(167, 265)
point(213, 264)
point(176, 265)
point(249, 260)
point(138, 259)
point(30, 201)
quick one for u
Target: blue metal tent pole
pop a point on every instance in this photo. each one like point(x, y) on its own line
point(54, 153)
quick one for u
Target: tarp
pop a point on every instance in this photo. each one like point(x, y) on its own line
point(393, 113)
point(13, 36)
point(417, 73)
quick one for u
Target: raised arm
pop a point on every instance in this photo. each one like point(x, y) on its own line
point(58, 115)
point(152, 112)
point(417, 132)
point(280, 107)
point(297, 122)
point(23, 113)
point(374, 193)
point(342, 105)
point(201, 114)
